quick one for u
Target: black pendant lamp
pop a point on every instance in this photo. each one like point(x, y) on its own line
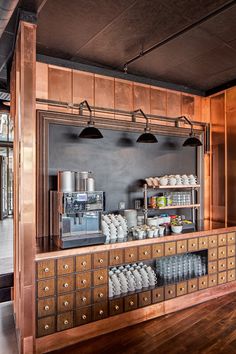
point(89, 132)
point(4, 108)
point(147, 137)
point(192, 141)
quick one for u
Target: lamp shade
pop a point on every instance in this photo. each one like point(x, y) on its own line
point(192, 141)
point(147, 138)
point(90, 132)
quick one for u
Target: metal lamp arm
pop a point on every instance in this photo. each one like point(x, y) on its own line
point(147, 128)
point(85, 103)
point(187, 120)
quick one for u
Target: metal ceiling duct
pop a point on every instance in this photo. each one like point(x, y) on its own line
point(7, 8)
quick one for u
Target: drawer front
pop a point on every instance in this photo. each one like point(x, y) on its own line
point(170, 248)
point(46, 287)
point(212, 254)
point(144, 298)
point(170, 292)
point(46, 326)
point(100, 260)
point(46, 307)
point(231, 275)
point(222, 265)
point(65, 284)
point(116, 307)
point(157, 295)
point(203, 282)
point(231, 263)
point(65, 321)
point(131, 254)
point(83, 315)
point(181, 288)
point(131, 302)
point(231, 238)
point(83, 298)
point(222, 277)
point(144, 252)
point(100, 277)
point(65, 265)
point(212, 280)
point(203, 243)
point(212, 241)
point(100, 311)
point(182, 246)
point(231, 250)
point(83, 280)
point(46, 269)
point(65, 302)
point(193, 244)
point(222, 240)
point(158, 250)
point(192, 285)
point(222, 252)
point(116, 257)
point(83, 263)
point(100, 294)
point(212, 267)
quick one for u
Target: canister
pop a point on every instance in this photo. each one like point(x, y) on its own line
point(66, 181)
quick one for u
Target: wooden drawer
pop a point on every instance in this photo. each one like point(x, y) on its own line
point(181, 288)
point(65, 265)
point(83, 298)
point(100, 260)
point(170, 292)
point(231, 250)
point(222, 252)
point(212, 241)
point(83, 315)
point(83, 263)
point(46, 287)
point(100, 311)
point(158, 250)
point(222, 265)
point(203, 282)
point(130, 302)
point(131, 254)
point(100, 294)
point(158, 295)
point(222, 277)
point(65, 321)
point(212, 267)
point(65, 283)
point(116, 257)
point(116, 307)
point(231, 275)
point(192, 285)
point(46, 326)
point(193, 244)
point(170, 248)
point(100, 277)
point(46, 306)
point(231, 238)
point(212, 254)
point(182, 246)
point(65, 302)
point(144, 298)
point(203, 243)
point(212, 280)
point(222, 240)
point(144, 252)
point(46, 269)
point(83, 280)
point(231, 263)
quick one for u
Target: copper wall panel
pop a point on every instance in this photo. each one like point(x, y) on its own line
point(173, 104)
point(104, 93)
point(82, 87)
point(42, 80)
point(187, 105)
point(60, 86)
point(142, 95)
point(123, 95)
point(158, 101)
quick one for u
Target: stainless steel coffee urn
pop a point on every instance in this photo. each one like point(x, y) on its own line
point(84, 182)
point(66, 181)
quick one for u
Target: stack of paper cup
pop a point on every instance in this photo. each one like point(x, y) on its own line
point(131, 217)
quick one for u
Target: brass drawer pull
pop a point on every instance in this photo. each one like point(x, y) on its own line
point(46, 326)
point(100, 260)
point(193, 286)
point(116, 258)
point(65, 285)
point(213, 267)
point(131, 303)
point(145, 253)
point(100, 295)
point(46, 308)
point(222, 252)
point(65, 303)
point(213, 241)
point(170, 248)
point(231, 275)
point(84, 281)
point(223, 265)
point(131, 255)
point(84, 263)
point(101, 312)
point(213, 254)
point(231, 263)
point(231, 238)
point(158, 251)
point(145, 299)
point(203, 283)
point(158, 295)
point(66, 322)
point(182, 246)
point(100, 277)
point(66, 266)
point(84, 298)
point(213, 281)
point(193, 245)
point(232, 251)
point(181, 289)
point(223, 240)
point(117, 307)
point(46, 270)
point(83, 317)
point(46, 288)
point(170, 292)
point(222, 278)
point(203, 242)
